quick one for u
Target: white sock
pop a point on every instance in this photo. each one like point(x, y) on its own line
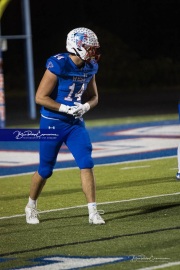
point(32, 203)
point(92, 207)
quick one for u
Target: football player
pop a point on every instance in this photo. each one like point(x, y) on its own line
point(67, 77)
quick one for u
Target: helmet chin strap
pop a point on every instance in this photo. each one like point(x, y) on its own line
point(81, 53)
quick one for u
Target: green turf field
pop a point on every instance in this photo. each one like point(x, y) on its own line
point(141, 201)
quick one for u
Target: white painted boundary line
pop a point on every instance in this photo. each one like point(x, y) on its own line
point(160, 266)
point(96, 165)
point(103, 203)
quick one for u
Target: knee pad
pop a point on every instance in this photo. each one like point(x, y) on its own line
point(85, 162)
point(46, 166)
point(45, 172)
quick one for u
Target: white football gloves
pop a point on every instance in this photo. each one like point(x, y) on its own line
point(81, 109)
point(78, 110)
point(67, 109)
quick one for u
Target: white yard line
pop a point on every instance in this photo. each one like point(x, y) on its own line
point(103, 203)
point(162, 266)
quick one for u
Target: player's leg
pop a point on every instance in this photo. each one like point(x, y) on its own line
point(178, 159)
point(88, 184)
point(37, 184)
point(89, 189)
point(80, 146)
point(48, 154)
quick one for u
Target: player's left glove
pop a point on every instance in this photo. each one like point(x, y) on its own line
point(81, 109)
point(67, 109)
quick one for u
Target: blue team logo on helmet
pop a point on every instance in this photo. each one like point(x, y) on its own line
point(80, 38)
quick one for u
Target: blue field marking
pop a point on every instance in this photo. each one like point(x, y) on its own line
point(111, 144)
point(74, 262)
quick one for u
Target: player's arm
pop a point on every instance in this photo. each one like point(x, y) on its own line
point(92, 93)
point(46, 86)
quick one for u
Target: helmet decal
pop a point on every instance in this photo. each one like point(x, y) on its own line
point(80, 39)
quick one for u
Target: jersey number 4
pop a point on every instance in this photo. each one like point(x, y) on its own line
point(77, 95)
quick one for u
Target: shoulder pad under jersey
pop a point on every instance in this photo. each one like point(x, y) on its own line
point(56, 63)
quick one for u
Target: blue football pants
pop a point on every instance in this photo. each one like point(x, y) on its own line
point(71, 132)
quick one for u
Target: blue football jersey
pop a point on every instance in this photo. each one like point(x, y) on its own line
point(72, 81)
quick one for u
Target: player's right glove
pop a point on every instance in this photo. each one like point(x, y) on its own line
point(67, 109)
point(81, 109)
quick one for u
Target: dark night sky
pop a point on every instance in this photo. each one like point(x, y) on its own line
point(150, 27)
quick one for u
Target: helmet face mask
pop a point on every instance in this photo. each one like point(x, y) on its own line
point(84, 43)
point(93, 53)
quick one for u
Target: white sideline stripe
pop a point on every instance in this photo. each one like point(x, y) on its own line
point(96, 165)
point(103, 203)
point(160, 266)
point(135, 167)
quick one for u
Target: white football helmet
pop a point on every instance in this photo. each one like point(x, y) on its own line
point(84, 43)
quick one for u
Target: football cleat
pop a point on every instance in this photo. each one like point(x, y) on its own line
point(95, 218)
point(31, 215)
point(178, 176)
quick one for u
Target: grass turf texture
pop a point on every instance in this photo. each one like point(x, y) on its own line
point(116, 121)
point(141, 207)
point(144, 226)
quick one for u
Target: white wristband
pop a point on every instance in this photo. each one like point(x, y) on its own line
point(63, 108)
point(87, 106)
